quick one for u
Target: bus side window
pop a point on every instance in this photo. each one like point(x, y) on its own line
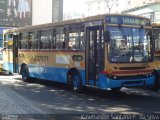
point(29, 44)
point(76, 40)
point(5, 41)
point(24, 41)
point(53, 39)
point(33, 40)
point(49, 38)
point(6, 45)
point(29, 40)
point(45, 39)
point(82, 43)
point(73, 41)
point(10, 41)
point(41, 44)
point(60, 43)
point(20, 38)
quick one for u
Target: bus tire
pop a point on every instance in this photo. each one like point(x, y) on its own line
point(156, 85)
point(25, 74)
point(76, 83)
point(157, 81)
point(117, 89)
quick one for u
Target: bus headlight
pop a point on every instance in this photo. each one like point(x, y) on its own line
point(111, 76)
point(149, 75)
point(114, 77)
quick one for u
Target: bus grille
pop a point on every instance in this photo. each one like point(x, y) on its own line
point(128, 77)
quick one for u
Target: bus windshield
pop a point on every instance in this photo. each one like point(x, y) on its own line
point(157, 39)
point(129, 44)
point(1, 56)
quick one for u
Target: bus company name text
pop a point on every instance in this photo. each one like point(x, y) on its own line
point(36, 58)
point(126, 20)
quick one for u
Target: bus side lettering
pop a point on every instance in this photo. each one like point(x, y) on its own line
point(40, 58)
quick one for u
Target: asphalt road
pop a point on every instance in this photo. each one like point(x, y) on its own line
point(59, 102)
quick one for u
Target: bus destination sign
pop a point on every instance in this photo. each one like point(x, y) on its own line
point(127, 20)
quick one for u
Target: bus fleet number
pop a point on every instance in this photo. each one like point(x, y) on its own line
point(40, 58)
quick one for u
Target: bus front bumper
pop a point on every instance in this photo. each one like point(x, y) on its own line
point(112, 83)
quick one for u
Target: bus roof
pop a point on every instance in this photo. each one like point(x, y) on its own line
point(73, 21)
point(156, 24)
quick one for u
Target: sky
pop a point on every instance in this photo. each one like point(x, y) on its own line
point(71, 6)
point(77, 6)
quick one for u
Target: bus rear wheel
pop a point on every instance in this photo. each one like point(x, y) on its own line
point(25, 74)
point(76, 83)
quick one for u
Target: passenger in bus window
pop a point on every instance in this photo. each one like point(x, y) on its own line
point(123, 47)
point(70, 45)
point(114, 48)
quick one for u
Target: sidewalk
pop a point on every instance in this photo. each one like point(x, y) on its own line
point(12, 103)
point(16, 107)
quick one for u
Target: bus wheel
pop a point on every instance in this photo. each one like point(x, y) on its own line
point(117, 89)
point(156, 85)
point(25, 74)
point(76, 83)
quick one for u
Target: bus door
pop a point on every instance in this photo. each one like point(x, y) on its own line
point(93, 35)
point(15, 53)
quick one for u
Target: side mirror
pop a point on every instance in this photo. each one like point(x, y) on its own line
point(106, 35)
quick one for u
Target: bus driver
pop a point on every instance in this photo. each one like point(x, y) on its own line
point(123, 47)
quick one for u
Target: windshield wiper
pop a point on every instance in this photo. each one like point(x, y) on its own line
point(124, 34)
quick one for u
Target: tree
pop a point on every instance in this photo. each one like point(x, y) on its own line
point(110, 4)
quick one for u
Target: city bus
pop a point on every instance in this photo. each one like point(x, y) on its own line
point(156, 32)
point(1, 45)
point(107, 51)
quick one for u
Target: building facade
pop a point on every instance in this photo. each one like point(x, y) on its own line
point(95, 7)
point(151, 11)
point(20, 13)
point(15, 13)
point(138, 3)
point(46, 11)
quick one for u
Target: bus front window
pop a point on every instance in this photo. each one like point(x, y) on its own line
point(129, 44)
point(157, 39)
